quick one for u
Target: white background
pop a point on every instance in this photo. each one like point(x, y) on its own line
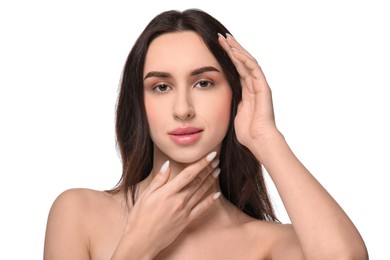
point(60, 63)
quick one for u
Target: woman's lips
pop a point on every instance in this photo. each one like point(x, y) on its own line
point(186, 135)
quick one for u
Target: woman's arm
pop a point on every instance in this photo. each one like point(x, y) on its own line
point(323, 229)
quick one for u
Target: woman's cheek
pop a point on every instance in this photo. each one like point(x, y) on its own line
point(152, 113)
point(217, 109)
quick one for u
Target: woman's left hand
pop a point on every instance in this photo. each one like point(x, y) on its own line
point(255, 121)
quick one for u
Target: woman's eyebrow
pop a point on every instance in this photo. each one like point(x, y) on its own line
point(158, 74)
point(161, 74)
point(203, 70)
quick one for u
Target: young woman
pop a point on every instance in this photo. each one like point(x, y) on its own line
point(194, 124)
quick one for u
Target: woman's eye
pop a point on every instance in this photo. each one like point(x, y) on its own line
point(161, 88)
point(204, 84)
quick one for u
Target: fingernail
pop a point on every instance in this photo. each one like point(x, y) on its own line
point(229, 35)
point(215, 163)
point(216, 195)
point(164, 167)
point(216, 172)
point(220, 35)
point(211, 156)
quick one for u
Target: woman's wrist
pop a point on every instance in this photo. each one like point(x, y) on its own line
point(264, 147)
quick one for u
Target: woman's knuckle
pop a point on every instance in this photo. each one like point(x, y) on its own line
point(181, 204)
point(190, 175)
point(197, 181)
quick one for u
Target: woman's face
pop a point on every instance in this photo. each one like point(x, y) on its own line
point(187, 97)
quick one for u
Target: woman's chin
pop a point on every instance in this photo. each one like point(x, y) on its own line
point(186, 159)
point(185, 156)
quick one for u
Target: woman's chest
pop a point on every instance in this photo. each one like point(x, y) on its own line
point(223, 245)
point(106, 230)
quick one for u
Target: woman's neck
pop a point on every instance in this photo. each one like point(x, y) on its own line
point(175, 169)
point(222, 212)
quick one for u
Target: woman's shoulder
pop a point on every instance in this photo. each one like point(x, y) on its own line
point(79, 206)
point(82, 201)
point(281, 239)
point(76, 219)
point(82, 193)
point(78, 198)
point(72, 204)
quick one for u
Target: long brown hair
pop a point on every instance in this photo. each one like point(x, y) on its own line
point(241, 179)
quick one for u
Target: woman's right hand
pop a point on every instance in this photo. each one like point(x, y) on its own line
point(165, 209)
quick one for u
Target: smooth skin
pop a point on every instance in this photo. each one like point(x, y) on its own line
point(179, 213)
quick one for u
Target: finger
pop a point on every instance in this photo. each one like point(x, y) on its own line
point(160, 179)
point(202, 189)
point(239, 66)
point(195, 184)
point(233, 43)
point(244, 56)
point(204, 205)
point(191, 172)
point(223, 41)
point(250, 64)
point(256, 82)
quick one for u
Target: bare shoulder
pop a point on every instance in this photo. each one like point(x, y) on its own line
point(70, 222)
point(74, 195)
point(79, 206)
point(282, 241)
point(76, 202)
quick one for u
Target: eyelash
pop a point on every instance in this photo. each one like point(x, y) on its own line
point(156, 88)
point(209, 83)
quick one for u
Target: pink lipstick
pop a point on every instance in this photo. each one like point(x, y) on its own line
point(186, 135)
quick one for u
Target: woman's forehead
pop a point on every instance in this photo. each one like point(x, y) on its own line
point(178, 50)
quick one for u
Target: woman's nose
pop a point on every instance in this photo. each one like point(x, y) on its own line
point(183, 108)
